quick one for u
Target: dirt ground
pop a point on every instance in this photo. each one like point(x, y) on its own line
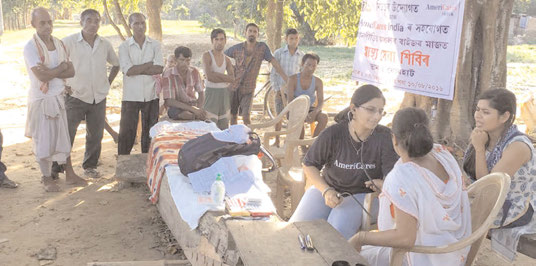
point(93, 223)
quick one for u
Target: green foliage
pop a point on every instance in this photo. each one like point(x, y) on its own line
point(527, 7)
point(167, 6)
point(288, 19)
point(207, 21)
point(219, 10)
point(225, 13)
point(15, 12)
point(182, 12)
point(251, 11)
point(69, 4)
point(14, 7)
point(332, 18)
point(233, 13)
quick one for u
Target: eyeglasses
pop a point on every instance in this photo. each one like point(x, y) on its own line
point(373, 110)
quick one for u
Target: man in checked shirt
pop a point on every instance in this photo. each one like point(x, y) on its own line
point(248, 58)
point(289, 57)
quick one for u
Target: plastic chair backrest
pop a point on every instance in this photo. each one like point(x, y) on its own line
point(297, 111)
point(486, 196)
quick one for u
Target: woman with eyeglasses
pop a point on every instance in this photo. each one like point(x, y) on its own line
point(347, 161)
point(306, 83)
point(498, 146)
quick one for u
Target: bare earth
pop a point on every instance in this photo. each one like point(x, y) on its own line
point(83, 224)
point(94, 223)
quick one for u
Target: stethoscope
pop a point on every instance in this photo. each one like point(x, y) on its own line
point(346, 194)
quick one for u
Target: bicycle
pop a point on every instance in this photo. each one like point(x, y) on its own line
point(269, 98)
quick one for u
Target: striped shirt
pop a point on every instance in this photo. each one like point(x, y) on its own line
point(289, 63)
point(173, 85)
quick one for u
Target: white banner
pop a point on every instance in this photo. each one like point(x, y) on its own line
point(410, 45)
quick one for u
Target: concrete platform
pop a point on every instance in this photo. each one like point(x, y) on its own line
point(527, 245)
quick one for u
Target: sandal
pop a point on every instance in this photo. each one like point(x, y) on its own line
point(50, 184)
point(92, 173)
point(8, 183)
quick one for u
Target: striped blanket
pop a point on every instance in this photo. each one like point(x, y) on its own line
point(164, 151)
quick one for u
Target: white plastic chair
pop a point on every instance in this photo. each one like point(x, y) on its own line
point(487, 196)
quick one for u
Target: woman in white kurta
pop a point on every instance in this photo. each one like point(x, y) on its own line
point(423, 200)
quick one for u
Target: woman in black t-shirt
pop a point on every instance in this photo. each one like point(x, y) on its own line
point(351, 157)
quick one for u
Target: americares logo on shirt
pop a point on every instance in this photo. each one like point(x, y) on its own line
point(358, 165)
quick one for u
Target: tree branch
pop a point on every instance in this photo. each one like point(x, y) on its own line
point(119, 15)
point(109, 18)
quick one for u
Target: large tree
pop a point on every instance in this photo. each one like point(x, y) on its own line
point(307, 34)
point(1, 22)
point(481, 66)
point(274, 23)
point(153, 14)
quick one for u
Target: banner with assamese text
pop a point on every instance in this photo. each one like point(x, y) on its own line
point(410, 45)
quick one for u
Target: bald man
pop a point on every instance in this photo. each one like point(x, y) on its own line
point(48, 65)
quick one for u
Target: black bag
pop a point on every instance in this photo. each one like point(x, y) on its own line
point(203, 151)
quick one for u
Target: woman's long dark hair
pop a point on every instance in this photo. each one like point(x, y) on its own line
point(361, 95)
point(501, 100)
point(410, 127)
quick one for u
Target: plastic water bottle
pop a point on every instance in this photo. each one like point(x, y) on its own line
point(217, 191)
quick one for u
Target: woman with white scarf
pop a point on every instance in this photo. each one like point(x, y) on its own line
point(423, 200)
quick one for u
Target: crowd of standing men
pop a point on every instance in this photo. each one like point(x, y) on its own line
point(69, 83)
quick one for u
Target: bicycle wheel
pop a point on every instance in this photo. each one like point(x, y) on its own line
point(269, 102)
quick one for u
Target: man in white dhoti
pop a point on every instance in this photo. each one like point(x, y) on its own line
point(48, 66)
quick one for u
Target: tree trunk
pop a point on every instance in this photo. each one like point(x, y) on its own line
point(481, 66)
point(119, 15)
point(9, 23)
point(155, 23)
point(270, 24)
point(66, 13)
point(107, 14)
point(278, 23)
point(274, 23)
point(1, 22)
point(236, 26)
point(307, 34)
point(27, 19)
point(482, 60)
point(18, 26)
